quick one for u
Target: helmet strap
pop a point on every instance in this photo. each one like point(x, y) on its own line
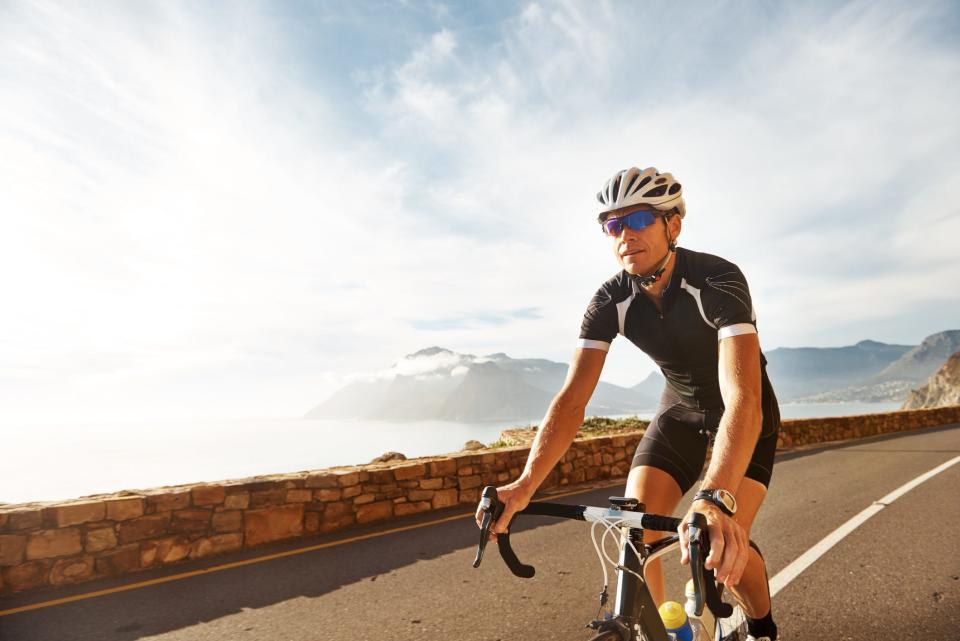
point(647, 281)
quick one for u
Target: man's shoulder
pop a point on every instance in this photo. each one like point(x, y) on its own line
point(699, 266)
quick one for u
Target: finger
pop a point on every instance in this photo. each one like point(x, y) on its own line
point(684, 544)
point(742, 559)
point(500, 527)
point(717, 545)
point(728, 561)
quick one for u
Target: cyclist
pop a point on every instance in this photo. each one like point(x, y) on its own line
point(692, 314)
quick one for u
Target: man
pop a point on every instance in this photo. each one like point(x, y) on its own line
point(692, 314)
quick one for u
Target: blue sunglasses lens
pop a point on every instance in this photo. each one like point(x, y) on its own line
point(636, 221)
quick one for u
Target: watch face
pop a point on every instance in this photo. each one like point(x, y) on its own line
point(727, 499)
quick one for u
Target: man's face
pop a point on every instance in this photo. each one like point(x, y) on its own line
point(640, 251)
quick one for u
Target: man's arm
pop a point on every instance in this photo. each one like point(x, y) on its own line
point(739, 376)
point(557, 431)
point(739, 373)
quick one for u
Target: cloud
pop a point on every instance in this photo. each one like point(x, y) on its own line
point(211, 198)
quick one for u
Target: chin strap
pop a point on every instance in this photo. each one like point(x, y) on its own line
point(647, 281)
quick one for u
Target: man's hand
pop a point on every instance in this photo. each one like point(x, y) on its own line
point(729, 546)
point(514, 496)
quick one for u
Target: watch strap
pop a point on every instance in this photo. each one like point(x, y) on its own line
point(709, 495)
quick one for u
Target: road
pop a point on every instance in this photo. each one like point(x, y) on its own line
point(895, 577)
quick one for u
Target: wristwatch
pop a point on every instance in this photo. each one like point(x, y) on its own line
point(721, 498)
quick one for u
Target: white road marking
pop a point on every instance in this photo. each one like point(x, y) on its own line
point(805, 560)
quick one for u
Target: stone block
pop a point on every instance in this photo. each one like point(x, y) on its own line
point(449, 481)
point(71, 570)
point(364, 498)
point(444, 498)
point(332, 525)
point(216, 545)
point(403, 509)
point(321, 481)
point(607, 458)
point(26, 575)
point(190, 521)
point(124, 509)
point(468, 482)
point(375, 511)
point(299, 496)
point(46, 544)
point(311, 522)
point(167, 550)
point(353, 490)
point(466, 470)
point(469, 496)
point(409, 472)
point(272, 524)
point(24, 520)
point(336, 510)
point(12, 549)
point(238, 501)
point(144, 527)
point(503, 477)
point(347, 479)
point(99, 540)
point(168, 501)
point(77, 513)
point(443, 467)
point(231, 521)
point(333, 494)
point(381, 476)
point(3, 522)
point(205, 495)
point(420, 495)
point(409, 484)
point(120, 561)
point(267, 498)
point(431, 484)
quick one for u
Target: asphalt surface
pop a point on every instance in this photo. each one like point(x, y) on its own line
point(895, 577)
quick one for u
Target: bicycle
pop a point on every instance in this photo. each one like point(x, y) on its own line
point(634, 616)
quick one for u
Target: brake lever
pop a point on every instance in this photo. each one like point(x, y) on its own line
point(492, 509)
point(704, 582)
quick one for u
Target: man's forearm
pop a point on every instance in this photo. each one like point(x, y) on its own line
point(557, 431)
point(739, 426)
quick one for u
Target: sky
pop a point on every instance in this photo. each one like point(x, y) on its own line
point(216, 210)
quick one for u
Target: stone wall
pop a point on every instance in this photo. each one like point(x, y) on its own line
point(52, 544)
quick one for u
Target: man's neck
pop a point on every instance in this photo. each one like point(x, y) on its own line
point(656, 289)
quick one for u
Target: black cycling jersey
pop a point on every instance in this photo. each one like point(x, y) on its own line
point(706, 300)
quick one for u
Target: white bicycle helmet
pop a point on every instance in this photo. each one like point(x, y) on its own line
point(648, 187)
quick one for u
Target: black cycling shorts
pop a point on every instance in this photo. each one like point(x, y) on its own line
point(676, 440)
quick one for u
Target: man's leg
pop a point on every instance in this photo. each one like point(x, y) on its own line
point(752, 591)
point(660, 494)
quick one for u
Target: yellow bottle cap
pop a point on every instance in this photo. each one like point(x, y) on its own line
point(672, 614)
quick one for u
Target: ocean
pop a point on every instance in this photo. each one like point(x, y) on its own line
point(56, 462)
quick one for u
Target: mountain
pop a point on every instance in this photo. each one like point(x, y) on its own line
point(439, 384)
point(924, 359)
point(798, 372)
point(943, 388)
point(842, 374)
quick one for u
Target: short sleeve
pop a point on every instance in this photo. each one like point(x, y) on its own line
point(727, 303)
point(600, 325)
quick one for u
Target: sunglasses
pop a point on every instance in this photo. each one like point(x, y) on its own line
point(636, 221)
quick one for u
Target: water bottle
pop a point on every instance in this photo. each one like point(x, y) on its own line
point(675, 621)
point(699, 624)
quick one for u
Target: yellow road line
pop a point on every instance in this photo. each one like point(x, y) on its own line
point(259, 559)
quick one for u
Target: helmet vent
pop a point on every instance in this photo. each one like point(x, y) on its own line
point(629, 189)
point(674, 188)
point(660, 181)
point(656, 191)
point(643, 183)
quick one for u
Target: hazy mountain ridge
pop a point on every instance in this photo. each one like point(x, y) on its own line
point(439, 384)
